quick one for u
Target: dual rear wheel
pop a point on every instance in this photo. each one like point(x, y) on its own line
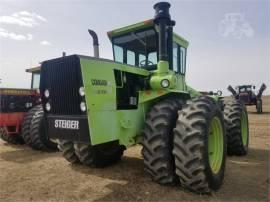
point(190, 146)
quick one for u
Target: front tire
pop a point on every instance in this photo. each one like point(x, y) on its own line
point(237, 129)
point(27, 123)
point(39, 138)
point(200, 145)
point(99, 156)
point(157, 141)
point(68, 151)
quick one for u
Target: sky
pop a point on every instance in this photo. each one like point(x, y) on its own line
point(229, 40)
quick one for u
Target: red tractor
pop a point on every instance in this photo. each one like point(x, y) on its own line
point(248, 96)
point(21, 115)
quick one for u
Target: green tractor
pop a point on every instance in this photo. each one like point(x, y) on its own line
point(96, 108)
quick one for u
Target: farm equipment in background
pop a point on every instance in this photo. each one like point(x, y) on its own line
point(95, 108)
point(14, 104)
point(245, 94)
point(20, 115)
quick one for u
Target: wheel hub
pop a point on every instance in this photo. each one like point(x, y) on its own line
point(215, 145)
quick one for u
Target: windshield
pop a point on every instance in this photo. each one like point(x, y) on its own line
point(136, 48)
point(35, 80)
point(242, 90)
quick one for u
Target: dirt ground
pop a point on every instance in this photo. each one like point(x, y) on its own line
point(27, 175)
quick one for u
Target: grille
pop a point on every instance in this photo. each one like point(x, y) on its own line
point(62, 77)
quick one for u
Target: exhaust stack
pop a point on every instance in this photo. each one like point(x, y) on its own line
point(163, 20)
point(95, 42)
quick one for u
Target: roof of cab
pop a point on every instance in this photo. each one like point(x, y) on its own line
point(33, 69)
point(143, 25)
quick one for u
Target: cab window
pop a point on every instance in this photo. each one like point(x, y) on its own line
point(118, 53)
point(142, 60)
point(182, 60)
point(241, 90)
point(35, 80)
point(175, 58)
point(130, 57)
point(137, 48)
point(152, 58)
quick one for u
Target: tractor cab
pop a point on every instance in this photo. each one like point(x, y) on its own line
point(246, 94)
point(138, 45)
point(35, 71)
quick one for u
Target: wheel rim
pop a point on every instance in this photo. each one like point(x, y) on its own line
point(215, 145)
point(244, 130)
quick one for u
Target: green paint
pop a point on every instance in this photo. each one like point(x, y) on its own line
point(162, 67)
point(130, 28)
point(244, 128)
point(193, 92)
point(155, 81)
point(180, 40)
point(106, 123)
point(215, 145)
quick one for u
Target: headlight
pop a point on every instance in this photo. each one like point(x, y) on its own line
point(83, 106)
point(81, 91)
point(48, 106)
point(165, 83)
point(46, 93)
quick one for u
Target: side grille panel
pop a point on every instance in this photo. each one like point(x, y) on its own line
point(62, 77)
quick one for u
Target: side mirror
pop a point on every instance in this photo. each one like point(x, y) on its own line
point(254, 87)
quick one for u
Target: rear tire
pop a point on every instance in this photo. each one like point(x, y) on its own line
point(27, 123)
point(157, 141)
point(12, 139)
point(99, 156)
point(68, 151)
point(39, 138)
point(237, 130)
point(200, 165)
